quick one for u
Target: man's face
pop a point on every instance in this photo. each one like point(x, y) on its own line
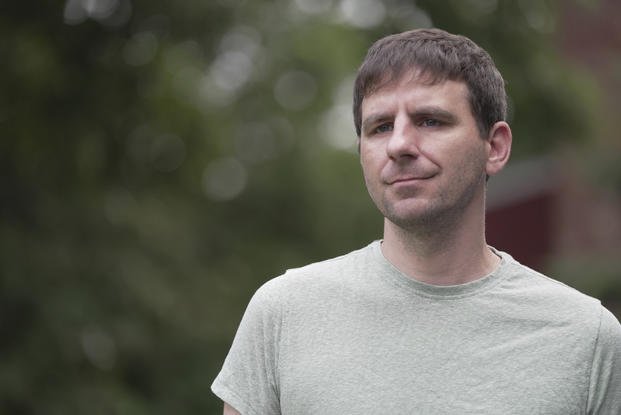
point(423, 159)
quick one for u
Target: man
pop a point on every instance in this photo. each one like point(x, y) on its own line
point(429, 320)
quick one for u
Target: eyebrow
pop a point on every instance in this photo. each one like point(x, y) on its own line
point(428, 111)
point(435, 112)
point(374, 119)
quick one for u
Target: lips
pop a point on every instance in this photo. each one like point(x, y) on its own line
point(393, 173)
point(406, 179)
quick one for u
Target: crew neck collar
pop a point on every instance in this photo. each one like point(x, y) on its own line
point(391, 273)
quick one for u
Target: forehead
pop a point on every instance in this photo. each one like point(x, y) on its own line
point(415, 89)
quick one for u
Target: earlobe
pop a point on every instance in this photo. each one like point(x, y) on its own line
point(499, 147)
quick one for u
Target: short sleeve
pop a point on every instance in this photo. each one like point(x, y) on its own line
point(248, 380)
point(605, 382)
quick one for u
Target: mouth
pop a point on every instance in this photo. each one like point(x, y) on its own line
point(406, 180)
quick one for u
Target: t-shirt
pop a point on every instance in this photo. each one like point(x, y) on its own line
point(354, 335)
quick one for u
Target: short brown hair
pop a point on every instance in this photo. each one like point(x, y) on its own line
point(439, 56)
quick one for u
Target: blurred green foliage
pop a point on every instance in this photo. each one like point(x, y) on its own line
point(160, 160)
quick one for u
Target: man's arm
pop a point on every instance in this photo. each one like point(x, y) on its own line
point(248, 381)
point(605, 385)
point(229, 410)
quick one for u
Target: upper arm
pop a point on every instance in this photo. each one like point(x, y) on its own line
point(229, 410)
point(248, 380)
point(605, 384)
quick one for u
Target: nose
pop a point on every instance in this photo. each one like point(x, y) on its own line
point(403, 142)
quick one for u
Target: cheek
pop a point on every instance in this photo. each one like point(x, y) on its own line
point(370, 178)
point(470, 163)
point(371, 170)
point(368, 162)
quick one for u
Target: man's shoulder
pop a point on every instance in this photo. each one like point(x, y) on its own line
point(328, 266)
point(536, 288)
point(318, 277)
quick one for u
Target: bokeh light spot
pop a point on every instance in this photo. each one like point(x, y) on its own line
point(314, 6)
point(224, 179)
point(243, 39)
point(336, 128)
point(99, 348)
point(231, 70)
point(295, 90)
point(140, 49)
point(118, 205)
point(166, 152)
point(255, 142)
point(363, 13)
point(110, 12)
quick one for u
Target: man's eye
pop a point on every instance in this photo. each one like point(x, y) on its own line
point(383, 128)
point(430, 122)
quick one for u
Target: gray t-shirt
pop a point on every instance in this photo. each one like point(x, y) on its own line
point(353, 335)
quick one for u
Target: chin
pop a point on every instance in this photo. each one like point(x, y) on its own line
point(409, 216)
point(417, 214)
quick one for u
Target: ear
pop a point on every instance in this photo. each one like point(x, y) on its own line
point(498, 147)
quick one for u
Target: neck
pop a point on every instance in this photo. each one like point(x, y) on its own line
point(451, 254)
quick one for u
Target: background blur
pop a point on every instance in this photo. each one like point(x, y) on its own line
point(160, 160)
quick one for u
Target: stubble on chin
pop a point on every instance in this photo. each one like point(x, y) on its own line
point(425, 219)
point(427, 216)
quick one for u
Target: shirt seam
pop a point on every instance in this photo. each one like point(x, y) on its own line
point(399, 281)
point(452, 297)
point(279, 345)
point(449, 297)
point(590, 374)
